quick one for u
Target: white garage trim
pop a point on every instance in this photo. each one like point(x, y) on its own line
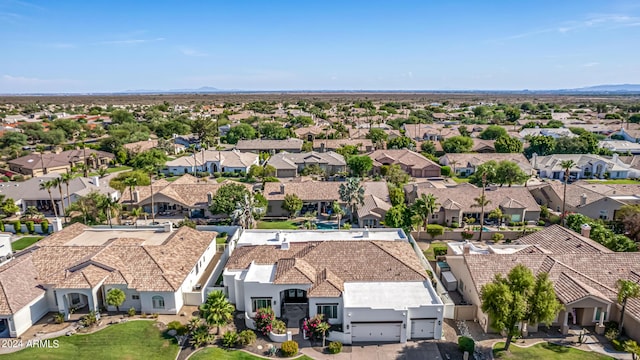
point(423, 328)
point(376, 331)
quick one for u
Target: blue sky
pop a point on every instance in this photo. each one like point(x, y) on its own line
point(95, 46)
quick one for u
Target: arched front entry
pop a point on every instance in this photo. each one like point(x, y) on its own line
point(214, 168)
point(294, 306)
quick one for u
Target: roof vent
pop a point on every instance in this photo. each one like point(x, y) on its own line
point(285, 244)
point(365, 233)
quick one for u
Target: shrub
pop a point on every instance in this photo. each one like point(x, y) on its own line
point(541, 223)
point(611, 325)
point(497, 237)
point(554, 219)
point(264, 320)
point(216, 174)
point(247, 337)
point(230, 339)
point(455, 225)
point(618, 344)
point(17, 225)
point(1, 226)
point(435, 230)
point(611, 334)
point(132, 312)
point(44, 226)
point(31, 228)
point(270, 179)
point(155, 315)
point(89, 319)
point(278, 327)
point(445, 171)
point(58, 318)
point(335, 347)
point(175, 325)
point(466, 343)
point(289, 348)
point(440, 250)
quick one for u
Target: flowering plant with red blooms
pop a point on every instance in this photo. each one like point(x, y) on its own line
point(311, 325)
point(264, 320)
point(467, 234)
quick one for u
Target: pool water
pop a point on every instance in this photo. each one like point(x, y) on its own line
point(325, 226)
point(485, 229)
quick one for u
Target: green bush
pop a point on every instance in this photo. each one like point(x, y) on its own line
point(247, 337)
point(541, 223)
point(455, 225)
point(31, 228)
point(618, 344)
point(44, 227)
point(17, 225)
point(440, 250)
point(435, 230)
point(445, 171)
point(174, 325)
point(230, 339)
point(1, 226)
point(278, 327)
point(497, 237)
point(612, 334)
point(132, 312)
point(466, 343)
point(58, 318)
point(554, 219)
point(335, 347)
point(289, 348)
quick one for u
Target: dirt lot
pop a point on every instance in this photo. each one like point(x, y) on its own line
point(423, 97)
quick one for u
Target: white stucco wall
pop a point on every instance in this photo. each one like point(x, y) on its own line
point(172, 302)
point(260, 290)
point(129, 301)
point(313, 307)
point(24, 318)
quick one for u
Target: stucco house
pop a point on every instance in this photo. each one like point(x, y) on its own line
point(270, 146)
point(584, 274)
point(466, 164)
point(186, 196)
point(36, 164)
point(291, 164)
point(370, 284)
point(458, 202)
point(72, 271)
point(322, 145)
point(411, 162)
point(212, 161)
point(586, 166)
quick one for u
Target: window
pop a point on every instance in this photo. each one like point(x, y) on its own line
point(604, 214)
point(75, 299)
point(158, 302)
point(259, 303)
point(599, 312)
point(434, 216)
point(330, 311)
point(135, 297)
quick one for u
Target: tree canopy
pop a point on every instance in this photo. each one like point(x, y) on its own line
point(508, 144)
point(227, 198)
point(401, 142)
point(493, 132)
point(519, 297)
point(360, 165)
point(457, 144)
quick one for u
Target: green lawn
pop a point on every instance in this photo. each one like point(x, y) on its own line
point(545, 351)
point(221, 239)
point(460, 180)
point(131, 340)
point(429, 252)
point(615, 181)
point(285, 225)
point(221, 354)
point(25, 242)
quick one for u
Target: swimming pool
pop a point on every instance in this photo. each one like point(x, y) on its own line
point(326, 226)
point(485, 229)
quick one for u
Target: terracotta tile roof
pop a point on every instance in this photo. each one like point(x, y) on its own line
point(475, 159)
point(187, 190)
point(462, 197)
point(268, 145)
point(408, 158)
point(123, 261)
point(327, 265)
point(318, 190)
point(333, 144)
point(19, 285)
point(557, 240)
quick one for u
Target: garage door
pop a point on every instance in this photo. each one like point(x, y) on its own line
point(363, 332)
point(422, 329)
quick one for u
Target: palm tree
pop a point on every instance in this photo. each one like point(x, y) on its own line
point(496, 214)
point(566, 165)
point(352, 193)
point(626, 290)
point(57, 182)
point(110, 207)
point(425, 206)
point(481, 201)
point(66, 179)
point(136, 213)
point(243, 214)
point(40, 149)
point(339, 211)
point(217, 310)
point(150, 170)
point(130, 182)
point(454, 163)
point(81, 137)
point(47, 185)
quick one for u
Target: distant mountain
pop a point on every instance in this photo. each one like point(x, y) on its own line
point(203, 90)
point(626, 88)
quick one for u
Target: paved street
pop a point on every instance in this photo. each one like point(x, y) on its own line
point(412, 350)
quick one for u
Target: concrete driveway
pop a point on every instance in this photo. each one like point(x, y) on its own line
point(412, 350)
